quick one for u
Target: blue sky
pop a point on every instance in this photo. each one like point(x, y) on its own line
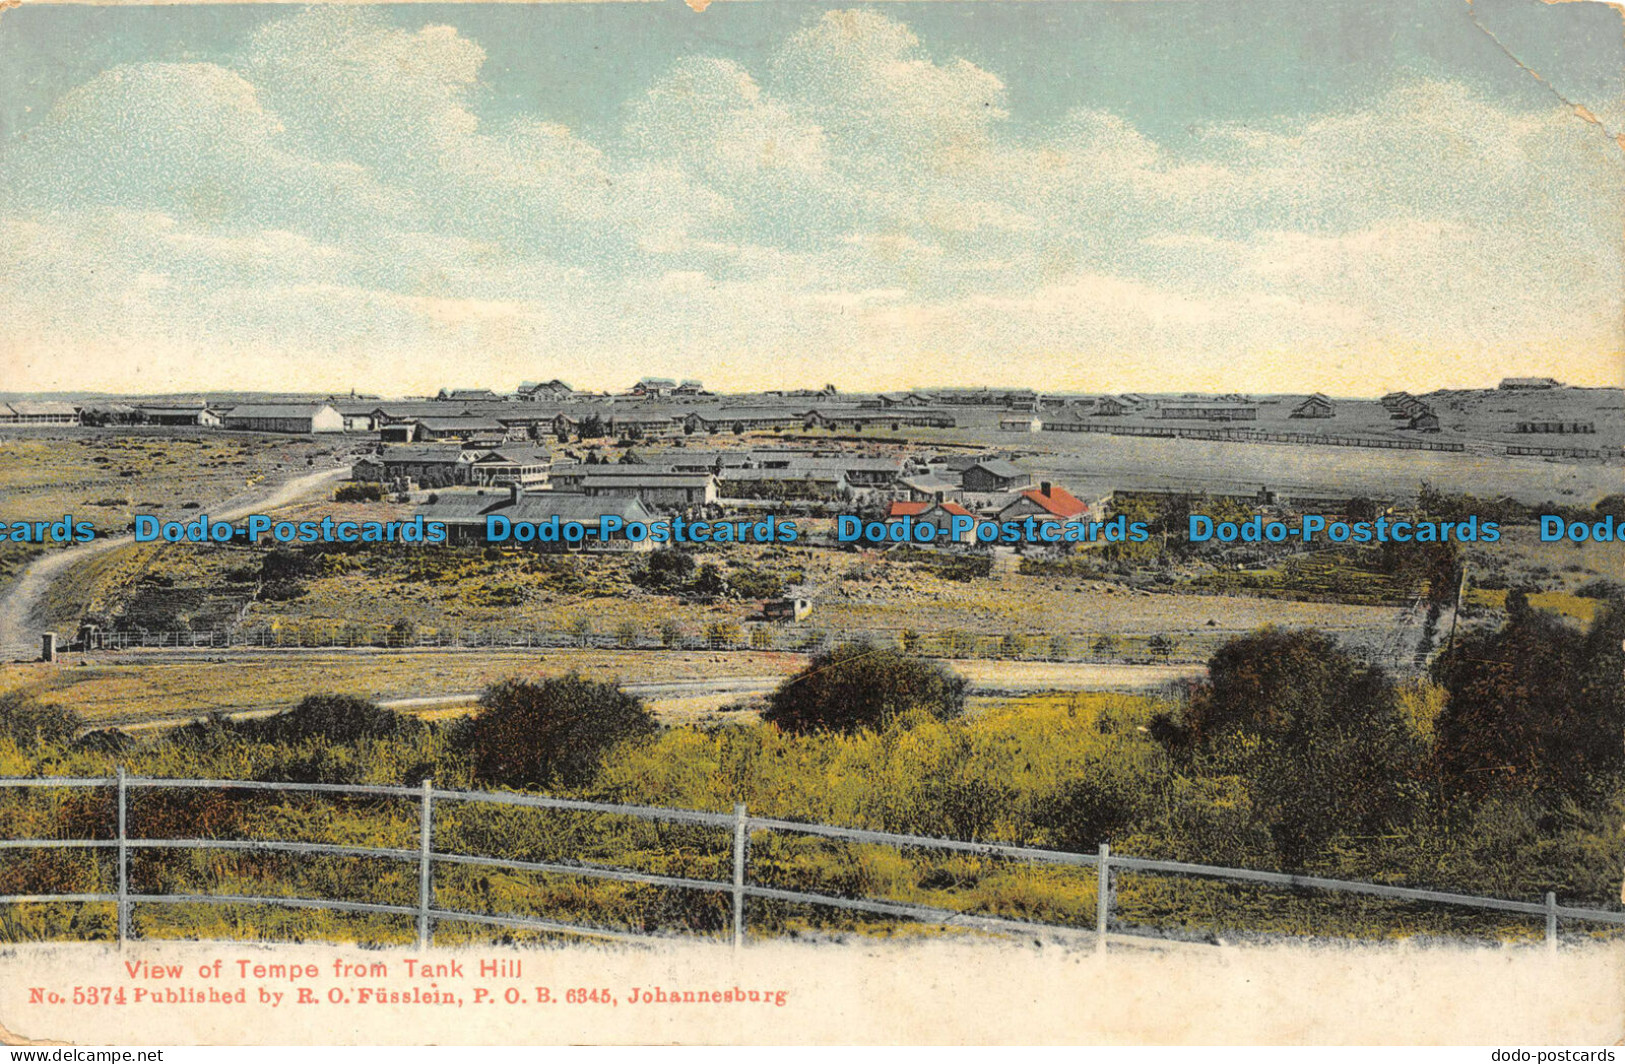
point(1225, 194)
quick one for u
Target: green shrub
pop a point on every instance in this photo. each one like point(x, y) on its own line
point(553, 733)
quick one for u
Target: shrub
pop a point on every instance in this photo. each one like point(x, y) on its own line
point(855, 685)
point(553, 733)
point(359, 492)
point(667, 568)
point(1321, 738)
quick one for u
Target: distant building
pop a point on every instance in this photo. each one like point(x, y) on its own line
point(429, 466)
point(510, 464)
point(549, 391)
point(1565, 428)
point(1111, 406)
point(740, 419)
point(927, 487)
point(41, 412)
point(428, 429)
point(358, 416)
point(1047, 503)
point(994, 475)
point(655, 489)
point(642, 426)
point(1425, 421)
point(1197, 410)
point(1528, 384)
point(194, 416)
point(465, 515)
point(792, 604)
point(653, 387)
point(1020, 424)
point(284, 417)
point(462, 395)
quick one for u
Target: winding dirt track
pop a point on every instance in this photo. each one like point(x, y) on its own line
point(18, 606)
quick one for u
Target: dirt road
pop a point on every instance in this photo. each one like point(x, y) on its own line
point(20, 602)
point(676, 701)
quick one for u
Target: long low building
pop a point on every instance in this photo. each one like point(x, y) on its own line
point(284, 417)
point(655, 489)
point(1189, 410)
point(38, 412)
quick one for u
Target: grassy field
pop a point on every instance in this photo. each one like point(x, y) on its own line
point(110, 475)
point(461, 590)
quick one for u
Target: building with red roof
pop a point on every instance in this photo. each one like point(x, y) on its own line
point(940, 514)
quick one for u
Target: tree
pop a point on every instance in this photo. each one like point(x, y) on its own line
point(1160, 646)
point(581, 629)
point(1534, 707)
point(552, 733)
point(855, 685)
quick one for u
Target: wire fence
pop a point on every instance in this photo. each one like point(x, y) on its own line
point(430, 910)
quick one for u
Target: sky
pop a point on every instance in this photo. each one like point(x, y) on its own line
point(1350, 196)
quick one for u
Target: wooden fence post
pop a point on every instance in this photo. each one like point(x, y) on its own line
point(1103, 897)
point(741, 837)
point(1551, 921)
point(123, 865)
point(425, 864)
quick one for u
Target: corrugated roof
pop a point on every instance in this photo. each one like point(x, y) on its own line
point(276, 410)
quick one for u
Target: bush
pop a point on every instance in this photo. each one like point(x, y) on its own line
point(667, 568)
point(359, 492)
point(553, 733)
point(31, 726)
point(855, 685)
point(1535, 707)
point(1320, 737)
point(332, 718)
